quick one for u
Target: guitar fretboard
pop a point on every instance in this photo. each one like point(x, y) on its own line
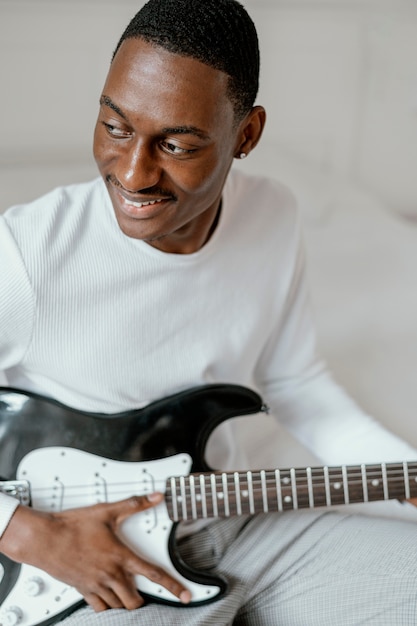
point(224, 494)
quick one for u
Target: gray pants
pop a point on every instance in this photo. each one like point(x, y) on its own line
point(296, 569)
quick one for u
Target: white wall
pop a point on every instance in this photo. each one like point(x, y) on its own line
point(339, 80)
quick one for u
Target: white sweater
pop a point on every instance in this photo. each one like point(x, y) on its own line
point(106, 323)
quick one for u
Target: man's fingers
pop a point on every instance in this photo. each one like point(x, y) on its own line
point(129, 596)
point(125, 508)
point(119, 596)
point(95, 602)
point(133, 564)
point(159, 576)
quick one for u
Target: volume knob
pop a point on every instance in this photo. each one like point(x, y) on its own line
point(34, 586)
point(12, 616)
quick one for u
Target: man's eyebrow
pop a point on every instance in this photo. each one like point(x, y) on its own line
point(185, 130)
point(169, 130)
point(109, 102)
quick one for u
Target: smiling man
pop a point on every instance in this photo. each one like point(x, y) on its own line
point(165, 141)
point(169, 272)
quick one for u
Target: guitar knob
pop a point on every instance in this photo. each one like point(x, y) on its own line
point(12, 616)
point(34, 586)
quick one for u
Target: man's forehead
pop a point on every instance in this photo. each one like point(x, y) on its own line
point(146, 75)
point(137, 55)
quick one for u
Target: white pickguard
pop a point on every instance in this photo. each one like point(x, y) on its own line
point(63, 478)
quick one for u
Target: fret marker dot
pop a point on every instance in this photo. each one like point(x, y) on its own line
point(375, 482)
point(179, 498)
point(220, 495)
point(245, 493)
point(287, 499)
point(198, 497)
point(337, 485)
point(286, 480)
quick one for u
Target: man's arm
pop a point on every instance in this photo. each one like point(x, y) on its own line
point(80, 547)
point(302, 394)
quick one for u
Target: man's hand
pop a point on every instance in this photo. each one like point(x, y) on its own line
point(81, 548)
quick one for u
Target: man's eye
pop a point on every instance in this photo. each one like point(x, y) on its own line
point(114, 131)
point(174, 149)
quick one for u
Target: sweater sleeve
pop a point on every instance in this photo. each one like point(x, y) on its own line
point(16, 301)
point(302, 394)
point(8, 505)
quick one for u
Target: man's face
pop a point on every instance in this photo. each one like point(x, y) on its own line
point(164, 143)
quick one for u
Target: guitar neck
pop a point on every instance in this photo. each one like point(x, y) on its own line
point(224, 494)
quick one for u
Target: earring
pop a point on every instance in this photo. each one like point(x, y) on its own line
point(242, 155)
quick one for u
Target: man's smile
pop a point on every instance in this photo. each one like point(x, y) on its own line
point(142, 204)
point(146, 208)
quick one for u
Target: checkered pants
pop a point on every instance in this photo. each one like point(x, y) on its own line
point(295, 569)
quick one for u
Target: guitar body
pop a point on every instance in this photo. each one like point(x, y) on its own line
point(56, 448)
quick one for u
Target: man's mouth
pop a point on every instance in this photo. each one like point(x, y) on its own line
point(140, 209)
point(140, 205)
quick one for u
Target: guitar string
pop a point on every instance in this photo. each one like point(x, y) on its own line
point(91, 491)
point(270, 476)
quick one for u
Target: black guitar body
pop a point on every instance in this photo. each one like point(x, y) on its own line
point(179, 423)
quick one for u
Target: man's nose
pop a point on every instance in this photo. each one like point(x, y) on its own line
point(138, 167)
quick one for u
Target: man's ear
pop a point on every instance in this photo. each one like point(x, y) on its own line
point(250, 131)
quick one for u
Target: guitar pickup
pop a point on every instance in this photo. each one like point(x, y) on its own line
point(18, 489)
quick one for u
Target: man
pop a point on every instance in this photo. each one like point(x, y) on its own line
point(167, 273)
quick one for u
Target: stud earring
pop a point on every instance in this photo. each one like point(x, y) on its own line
point(242, 155)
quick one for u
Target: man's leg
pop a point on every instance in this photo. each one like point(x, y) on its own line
point(296, 569)
point(341, 570)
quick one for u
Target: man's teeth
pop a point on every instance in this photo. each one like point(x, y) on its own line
point(141, 204)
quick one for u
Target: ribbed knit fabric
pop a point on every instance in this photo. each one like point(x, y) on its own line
point(106, 323)
point(7, 508)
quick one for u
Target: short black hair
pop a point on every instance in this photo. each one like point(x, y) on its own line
point(219, 33)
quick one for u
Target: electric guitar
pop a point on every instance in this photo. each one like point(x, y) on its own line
point(54, 458)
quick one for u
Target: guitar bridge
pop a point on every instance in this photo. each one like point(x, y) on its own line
point(18, 489)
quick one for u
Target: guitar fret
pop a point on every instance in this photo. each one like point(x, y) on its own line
point(278, 489)
point(237, 492)
point(294, 489)
point(265, 505)
point(193, 498)
point(364, 483)
point(174, 499)
point(214, 495)
point(250, 490)
point(327, 485)
point(226, 495)
point(183, 498)
point(203, 495)
point(310, 488)
point(345, 484)
point(384, 481)
point(243, 492)
point(406, 481)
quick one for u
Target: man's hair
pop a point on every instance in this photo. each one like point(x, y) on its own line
point(219, 33)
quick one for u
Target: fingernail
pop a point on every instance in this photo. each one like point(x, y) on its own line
point(185, 597)
point(154, 497)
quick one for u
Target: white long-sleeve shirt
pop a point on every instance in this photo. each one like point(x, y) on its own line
point(106, 323)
